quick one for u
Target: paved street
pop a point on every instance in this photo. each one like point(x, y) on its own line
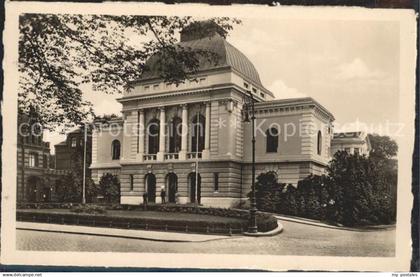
point(296, 239)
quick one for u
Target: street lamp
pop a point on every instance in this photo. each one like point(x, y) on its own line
point(249, 111)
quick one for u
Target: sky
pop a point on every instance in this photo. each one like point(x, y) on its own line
point(349, 67)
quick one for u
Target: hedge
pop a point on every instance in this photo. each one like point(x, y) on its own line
point(265, 221)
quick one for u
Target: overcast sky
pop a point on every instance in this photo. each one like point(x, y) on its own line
point(350, 67)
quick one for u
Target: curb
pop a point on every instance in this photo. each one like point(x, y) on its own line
point(271, 233)
point(324, 225)
point(118, 233)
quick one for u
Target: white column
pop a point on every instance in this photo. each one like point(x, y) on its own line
point(184, 135)
point(206, 151)
point(161, 153)
point(140, 129)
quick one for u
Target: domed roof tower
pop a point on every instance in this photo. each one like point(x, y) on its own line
point(208, 36)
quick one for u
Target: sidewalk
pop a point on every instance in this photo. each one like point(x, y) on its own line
point(325, 225)
point(135, 234)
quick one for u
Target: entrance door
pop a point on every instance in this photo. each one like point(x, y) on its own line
point(195, 188)
point(46, 194)
point(151, 188)
point(33, 183)
point(172, 187)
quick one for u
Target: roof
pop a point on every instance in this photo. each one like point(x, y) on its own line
point(61, 143)
point(228, 56)
point(356, 134)
point(293, 102)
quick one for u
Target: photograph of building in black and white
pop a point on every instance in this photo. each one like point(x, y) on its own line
point(208, 135)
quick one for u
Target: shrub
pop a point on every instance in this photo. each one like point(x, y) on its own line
point(88, 209)
point(109, 188)
point(357, 191)
point(265, 221)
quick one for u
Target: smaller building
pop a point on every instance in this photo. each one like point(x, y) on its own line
point(352, 142)
point(69, 153)
point(36, 179)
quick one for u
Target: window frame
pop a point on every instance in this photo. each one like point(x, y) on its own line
point(216, 181)
point(113, 149)
point(73, 142)
point(131, 182)
point(269, 147)
point(319, 143)
point(153, 140)
point(33, 160)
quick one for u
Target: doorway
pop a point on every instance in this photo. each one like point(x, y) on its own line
point(172, 183)
point(151, 187)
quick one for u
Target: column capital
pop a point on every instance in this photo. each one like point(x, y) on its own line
point(162, 109)
point(141, 110)
point(184, 106)
point(207, 103)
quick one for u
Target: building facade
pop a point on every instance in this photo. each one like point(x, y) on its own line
point(36, 179)
point(351, 142)
point(69, 153)
point(192, 140)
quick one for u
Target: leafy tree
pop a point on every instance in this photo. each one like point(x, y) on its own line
point(291, 205)
point(92, 190)
point(383, 147)
point(69, 191)
point(60, 52)
point(109, 187)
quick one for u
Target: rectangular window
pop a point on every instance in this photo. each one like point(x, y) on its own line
point(262, 95)
point(246, 85)
point(33, 160)
point(347, 149)
point(131, 182)
point(216, 181)
point(73, 142)
point(155, 87)
point(201, 80)
point(146, 88)
point(45, 161)
point(254, 90)
point(356, 151)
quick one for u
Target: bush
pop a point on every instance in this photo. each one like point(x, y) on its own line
point(109, 188)
point(357, 191)
point(88, 209)
point(265, 221)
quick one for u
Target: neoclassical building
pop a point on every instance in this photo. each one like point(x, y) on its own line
point(192, 140)
point(352, 142)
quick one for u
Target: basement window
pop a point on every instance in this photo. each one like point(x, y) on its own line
point(131, 182)
point(216, 181)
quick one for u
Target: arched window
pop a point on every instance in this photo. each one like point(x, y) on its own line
point(319, 143)
point(116, 149)
point(175, 129)
point(272, 140)
point(131, 182)
point(198, 133)
point(153, 136)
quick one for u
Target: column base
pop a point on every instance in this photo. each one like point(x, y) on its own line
point(182, 155)
point(139, 157)
point(205, 154)
point(160, 156)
